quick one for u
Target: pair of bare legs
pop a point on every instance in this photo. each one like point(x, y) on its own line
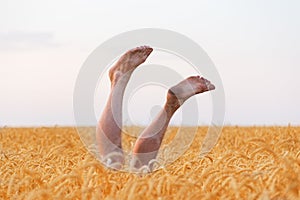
point(109, 127)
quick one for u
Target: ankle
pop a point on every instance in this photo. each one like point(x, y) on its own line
point(172, 99)
point(172, 103)
point(119, 78)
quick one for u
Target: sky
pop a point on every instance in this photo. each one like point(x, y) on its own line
point(254, 45)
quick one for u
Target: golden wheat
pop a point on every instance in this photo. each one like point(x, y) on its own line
point(247, 163)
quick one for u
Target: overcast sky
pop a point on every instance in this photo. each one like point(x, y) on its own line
point(255, 46)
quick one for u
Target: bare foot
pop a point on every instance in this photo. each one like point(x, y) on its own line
point(179, 93)
point(128, 62)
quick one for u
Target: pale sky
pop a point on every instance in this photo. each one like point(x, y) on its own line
point(255, 46)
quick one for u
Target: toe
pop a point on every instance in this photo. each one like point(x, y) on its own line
point(202, 79)
point(147, 52)
point(134, 50)
point(150, 49)
point(192, 78)
point(207, 82)
point(211, 87)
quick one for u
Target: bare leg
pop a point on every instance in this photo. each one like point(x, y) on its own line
point(110, 124)
point(149, 142)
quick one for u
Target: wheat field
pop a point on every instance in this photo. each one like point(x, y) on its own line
point(246, 163)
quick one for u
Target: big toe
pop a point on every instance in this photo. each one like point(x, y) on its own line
point(143, 51)
point(147, 50)
point(206, 83)
point(137, 49)
point(211, 86)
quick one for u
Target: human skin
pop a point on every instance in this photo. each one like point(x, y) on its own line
point(109, 127)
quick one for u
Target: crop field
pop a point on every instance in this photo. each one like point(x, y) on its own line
point(246, 163)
